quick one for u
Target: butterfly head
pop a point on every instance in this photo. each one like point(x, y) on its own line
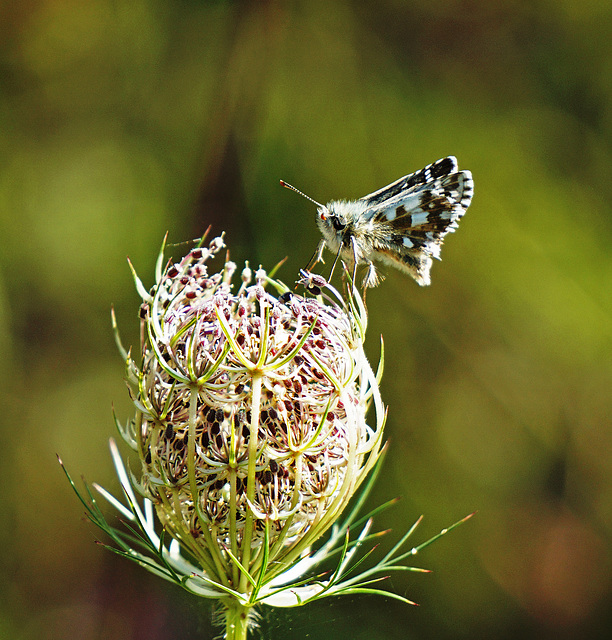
point(331, 219)
point(332, 224)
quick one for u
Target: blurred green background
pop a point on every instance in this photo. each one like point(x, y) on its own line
point(122, 119)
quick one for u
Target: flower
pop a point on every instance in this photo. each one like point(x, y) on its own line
point(251, 434)
point(250, 422)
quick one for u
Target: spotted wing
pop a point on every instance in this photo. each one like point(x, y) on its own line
point(416, 212)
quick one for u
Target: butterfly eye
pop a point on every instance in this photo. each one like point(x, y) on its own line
point(338, 226)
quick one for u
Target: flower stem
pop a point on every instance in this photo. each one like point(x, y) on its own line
point(249, 526)
point(236, 621)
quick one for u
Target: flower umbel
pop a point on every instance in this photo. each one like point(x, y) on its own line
point(251, 417)
point(251, 434)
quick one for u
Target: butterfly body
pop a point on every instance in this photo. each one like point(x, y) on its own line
point(402, 224)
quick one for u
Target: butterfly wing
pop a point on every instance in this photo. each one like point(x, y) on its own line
point(416, 212)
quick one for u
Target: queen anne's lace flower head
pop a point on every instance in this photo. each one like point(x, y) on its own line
point(251, 423)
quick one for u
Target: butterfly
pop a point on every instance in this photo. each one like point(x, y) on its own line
point(402, 224)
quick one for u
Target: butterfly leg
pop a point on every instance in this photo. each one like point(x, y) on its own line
point(331, 273)
point(371, 278)
point(355, 260)
point(317, 256)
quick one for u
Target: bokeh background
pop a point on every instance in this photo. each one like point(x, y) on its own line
point(122, 119)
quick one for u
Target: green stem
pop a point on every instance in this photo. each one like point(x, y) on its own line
point(193, 486)
point(252, 456)
point(236, 621)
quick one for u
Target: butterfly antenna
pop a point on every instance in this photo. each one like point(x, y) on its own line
point(288, 186)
